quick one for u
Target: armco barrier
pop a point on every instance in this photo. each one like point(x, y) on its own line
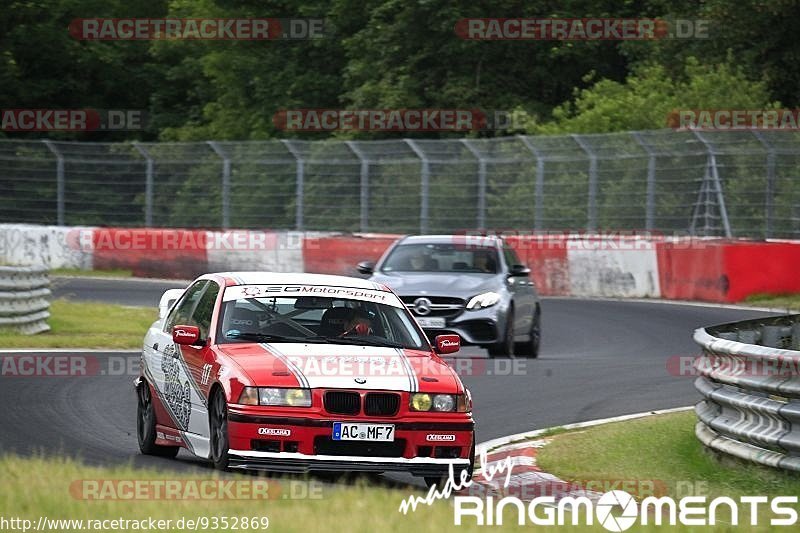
point(547, 259)
point(24, 299)
point(47, 246)
point(562, 264)
point(339, 254)
point(149, 252)
point(726, 271)
point(750, 383)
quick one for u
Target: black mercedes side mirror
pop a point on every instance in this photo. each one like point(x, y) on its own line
point(366, 267)
point(519, 270)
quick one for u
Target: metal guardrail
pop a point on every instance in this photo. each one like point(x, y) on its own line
point(724, 183)
point(749, 377)
point(24, 299)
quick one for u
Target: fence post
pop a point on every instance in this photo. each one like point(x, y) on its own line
point(226, 183)
point(538, 190)
point(481, 183)
point(591, 210)
point(299, 183)
point(425, 176)
point(148, 184)
point(60, 185)
point(769, 193)
point(364, 199)
point(650, 193)
point(713, 185)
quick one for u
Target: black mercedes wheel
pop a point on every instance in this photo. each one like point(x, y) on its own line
point(506, 346)
point(530, 348)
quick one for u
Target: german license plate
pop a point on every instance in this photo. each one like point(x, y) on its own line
point(353, 431)
point(431, 322)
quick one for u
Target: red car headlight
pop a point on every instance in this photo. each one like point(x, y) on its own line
point(440, 403)
point(273, 396)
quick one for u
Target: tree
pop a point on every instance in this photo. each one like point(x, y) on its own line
point(650, 94)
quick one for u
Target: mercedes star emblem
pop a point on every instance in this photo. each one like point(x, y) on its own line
point(422, 306)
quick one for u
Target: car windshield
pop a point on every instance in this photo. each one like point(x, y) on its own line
point(441, 257)
point(318, 320)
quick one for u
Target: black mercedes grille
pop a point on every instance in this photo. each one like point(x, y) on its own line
point(441, 306)
point(327, 446)
point(342, 403)
point(381, 404)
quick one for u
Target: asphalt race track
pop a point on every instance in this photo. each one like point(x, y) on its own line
point(599, 359)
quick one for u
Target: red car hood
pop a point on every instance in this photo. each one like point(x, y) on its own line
point(336, 366)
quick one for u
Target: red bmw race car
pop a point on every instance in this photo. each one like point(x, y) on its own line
point(299, 373)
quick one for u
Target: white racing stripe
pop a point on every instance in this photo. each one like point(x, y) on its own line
point(337, 366)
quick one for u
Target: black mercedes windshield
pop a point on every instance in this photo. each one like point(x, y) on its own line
point(441, 257)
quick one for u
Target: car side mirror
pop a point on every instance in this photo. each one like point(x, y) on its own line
point(519, 270)
point(444, 344)
point(186, 335)
point(366, 267)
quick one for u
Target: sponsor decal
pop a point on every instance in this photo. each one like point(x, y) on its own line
point(206, 374)
point(261, 291)
point(437, 437)
point(277, 432)
point(177, 395)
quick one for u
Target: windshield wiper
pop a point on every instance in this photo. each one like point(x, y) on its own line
point(318, 339)
point(360, 341)
point(266, 337)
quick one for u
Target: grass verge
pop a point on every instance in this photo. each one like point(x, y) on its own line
point(781, 301)
point(87, 325)
point(661, 452)
point(56, 489)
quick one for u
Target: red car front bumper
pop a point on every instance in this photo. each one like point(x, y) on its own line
point(422, 446)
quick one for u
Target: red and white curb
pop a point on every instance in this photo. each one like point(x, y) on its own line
point(526, 479)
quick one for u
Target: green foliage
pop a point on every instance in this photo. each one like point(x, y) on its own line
point(394, 54)
point(647, 97)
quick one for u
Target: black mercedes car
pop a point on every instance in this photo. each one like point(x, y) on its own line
point(473, 286)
